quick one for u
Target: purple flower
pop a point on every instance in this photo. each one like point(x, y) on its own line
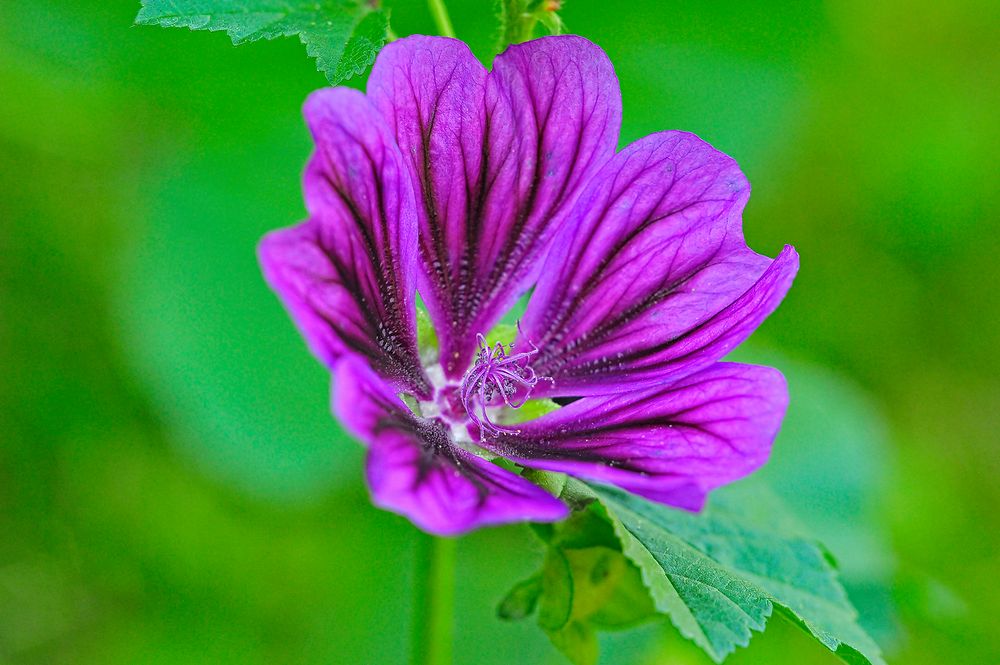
point(475, 187)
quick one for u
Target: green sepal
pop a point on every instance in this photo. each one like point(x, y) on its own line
point(521, 601)
point(518, 19)
point(586, 584)
point(628, 606)
point(577, 641)
point(556, 602)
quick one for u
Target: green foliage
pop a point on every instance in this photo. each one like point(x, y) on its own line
point(585, 585)
point(865, 129)
point(718, 575)
point(343, 35)
point(520, 602)
point(427, 340)
point(533, 408)
point(518, 19)
point(503, 332)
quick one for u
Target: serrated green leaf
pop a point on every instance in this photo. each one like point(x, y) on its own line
point(718, 575)
point(343, 35)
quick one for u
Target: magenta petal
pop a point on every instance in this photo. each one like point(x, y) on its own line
point(499, 158)
point(651, 278)
point(415, 469)
point(671, 444)
point(347, 276)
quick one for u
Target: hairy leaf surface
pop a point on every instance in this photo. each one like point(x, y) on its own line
point(720, 574)
point(344, 36)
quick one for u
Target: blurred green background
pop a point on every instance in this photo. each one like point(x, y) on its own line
point(172, 488)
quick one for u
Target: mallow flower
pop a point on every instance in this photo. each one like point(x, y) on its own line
point(475, 187)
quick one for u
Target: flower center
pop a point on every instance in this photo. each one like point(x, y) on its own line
point(499, 376)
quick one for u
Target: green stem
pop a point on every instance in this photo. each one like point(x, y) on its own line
point(441, 20)
point(432, 636)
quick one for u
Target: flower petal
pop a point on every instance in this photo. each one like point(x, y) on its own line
point(499, 159)
point(651, 278)
point(671, 444)
point(347, 275)
point(415, 469)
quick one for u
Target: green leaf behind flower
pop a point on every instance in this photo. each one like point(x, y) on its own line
point(530, 410)
point(427, 340)
point(343, 35)
point(719, 574)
